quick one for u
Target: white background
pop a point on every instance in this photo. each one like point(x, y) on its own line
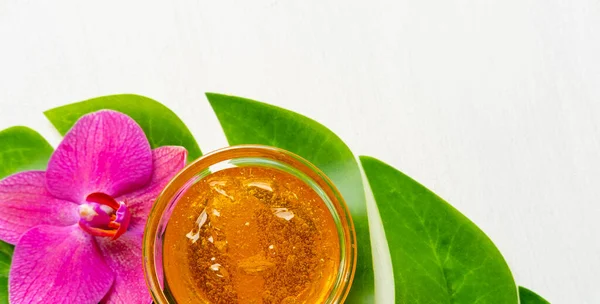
point(494, 105)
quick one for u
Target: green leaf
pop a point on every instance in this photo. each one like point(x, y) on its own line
point(438, 255)
point(529, 297)
point(161, 125)
point(21, 148)
point(4, 290)
point(6, 252)
point(250, 122)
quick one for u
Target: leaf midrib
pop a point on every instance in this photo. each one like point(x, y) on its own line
point(430, 244)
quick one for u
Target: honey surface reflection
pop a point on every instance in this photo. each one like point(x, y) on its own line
point(251, 235)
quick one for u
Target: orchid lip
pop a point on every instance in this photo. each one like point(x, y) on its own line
point(103, 216)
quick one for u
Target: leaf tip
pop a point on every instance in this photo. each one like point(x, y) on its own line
point(366, 158)
point(372, 161)
point(211, 96)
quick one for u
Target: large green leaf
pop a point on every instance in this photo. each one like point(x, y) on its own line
point(161, 125)
point(4, 290)
point(529, 297)
point(438, 255)
point(6, 251)
point(21, 148)
point(250, 122)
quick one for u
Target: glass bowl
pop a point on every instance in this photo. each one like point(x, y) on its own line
point(253, 156)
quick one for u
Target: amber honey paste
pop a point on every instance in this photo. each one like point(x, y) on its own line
point(251, 235)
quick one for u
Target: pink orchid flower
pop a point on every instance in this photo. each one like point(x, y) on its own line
point(78, 226)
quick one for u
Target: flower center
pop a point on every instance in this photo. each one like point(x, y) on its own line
point(104, 216)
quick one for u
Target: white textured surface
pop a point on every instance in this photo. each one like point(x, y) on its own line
point(494, 105)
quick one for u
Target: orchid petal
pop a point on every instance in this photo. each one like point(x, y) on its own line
point(25, 203)
point(105, 152)
point(124, 256)
point(167, 161)
point(58, 265)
